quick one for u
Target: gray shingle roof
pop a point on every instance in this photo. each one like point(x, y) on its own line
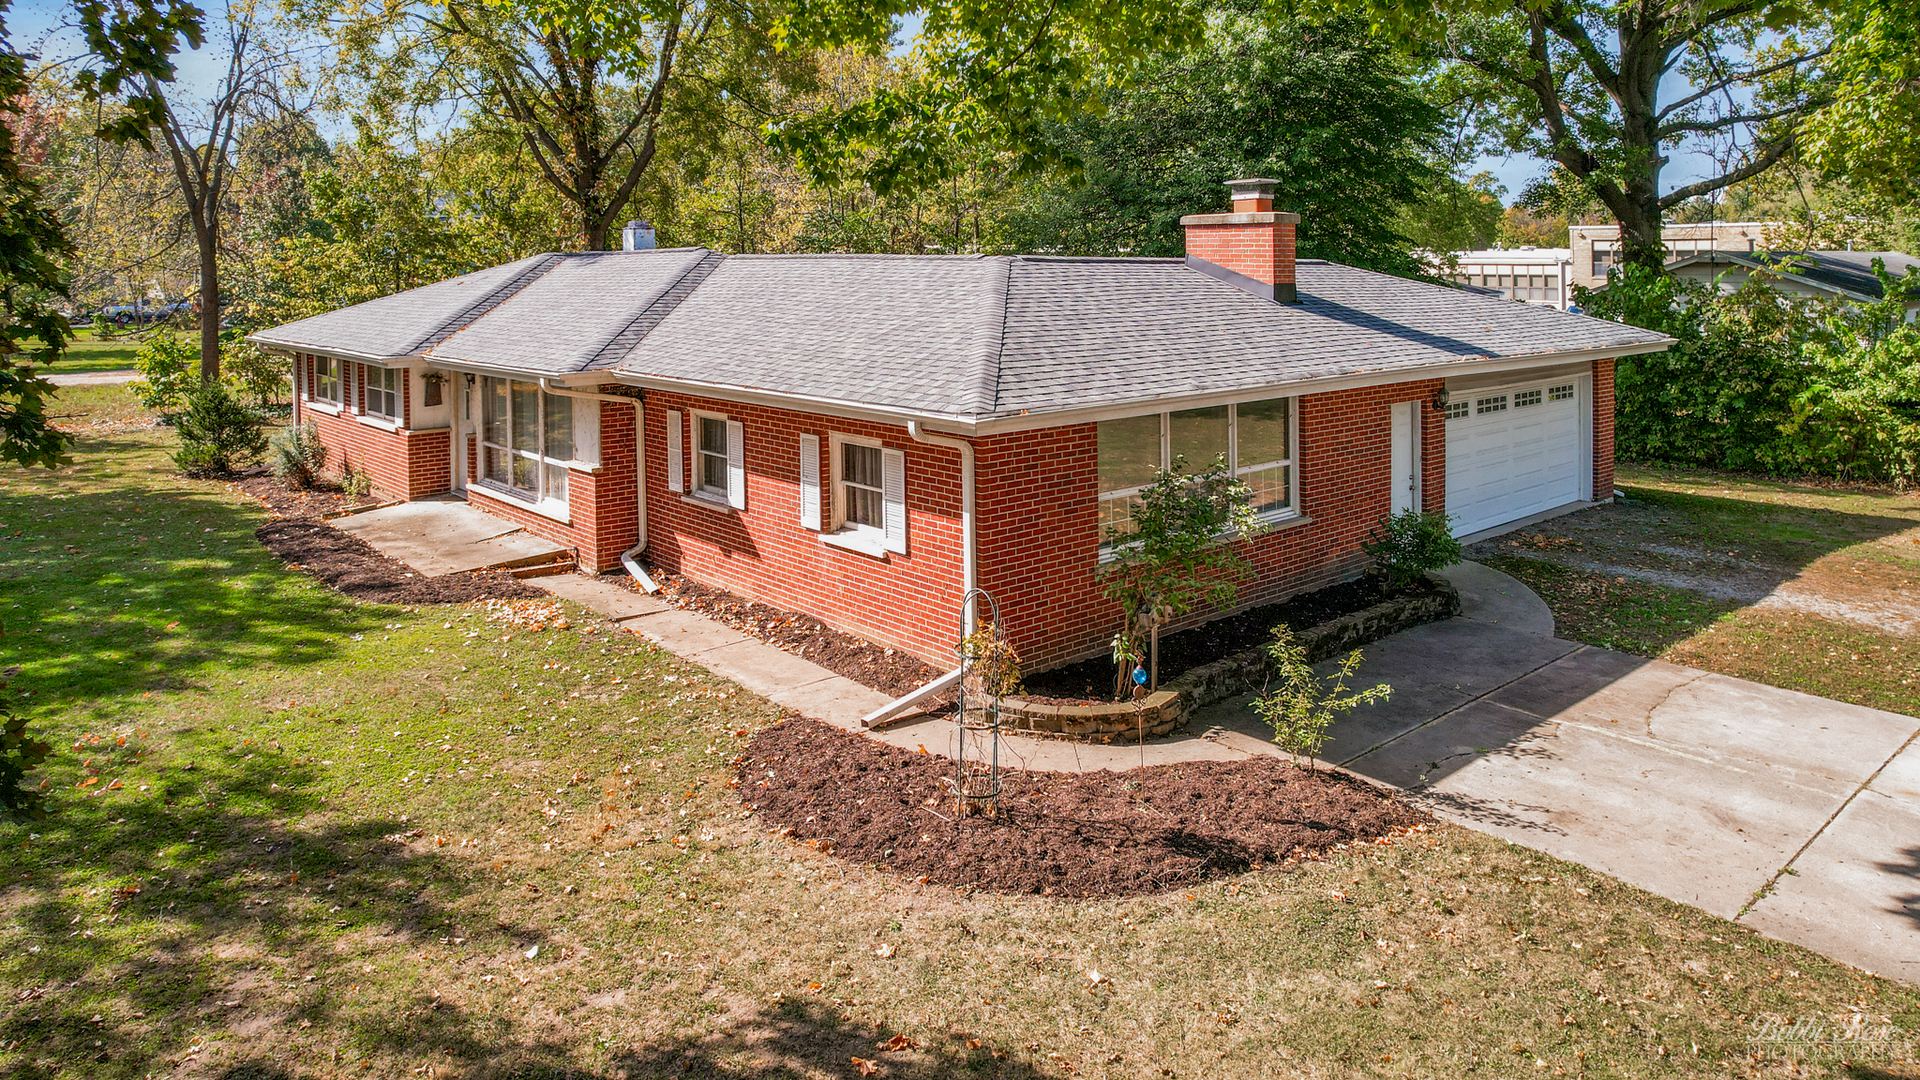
point(559, 322)
point(1849, 271)
point(406, 322)
point(966, 336)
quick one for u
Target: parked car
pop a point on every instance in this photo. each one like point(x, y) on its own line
point(143, 312)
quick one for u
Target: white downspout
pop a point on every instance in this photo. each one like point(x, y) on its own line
point(628, 556)
point(969, 565)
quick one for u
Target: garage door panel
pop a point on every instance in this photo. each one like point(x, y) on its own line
point(1504, 464)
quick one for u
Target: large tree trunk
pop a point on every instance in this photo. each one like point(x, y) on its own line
point(209, 310)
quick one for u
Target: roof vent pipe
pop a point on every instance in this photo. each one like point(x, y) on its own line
point(637, 236)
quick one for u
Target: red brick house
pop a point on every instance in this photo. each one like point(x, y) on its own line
point(864, 437)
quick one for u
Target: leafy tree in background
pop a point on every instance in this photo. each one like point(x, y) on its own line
point(587, 90)
point(1609, 89)
point(1455, 215)
point(33, 249)
point(1322, 108)
point(1870, 133)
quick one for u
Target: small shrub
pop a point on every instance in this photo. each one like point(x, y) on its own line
point(354, 482)
point(169, 370)
point(218, 433)
point(19, 754)
point(1409, 544)
point(298, 457)
point(995, 667)
point(1299, 706)
point(1178, 554)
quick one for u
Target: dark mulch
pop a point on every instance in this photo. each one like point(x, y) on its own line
point(351, 565)
point(1181, 652)
point(876, 667)
point(1101, 834)
point(316, 503)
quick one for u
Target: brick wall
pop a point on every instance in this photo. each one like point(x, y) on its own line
point(1603, 429)
point(1263, 252)
point(602, 506)
point(906, 601)
point(1039, 531)
point(402, 464)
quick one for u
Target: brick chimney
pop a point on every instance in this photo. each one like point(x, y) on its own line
point(1252, 247)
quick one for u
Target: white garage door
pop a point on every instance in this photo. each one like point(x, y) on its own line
point(1512, 452)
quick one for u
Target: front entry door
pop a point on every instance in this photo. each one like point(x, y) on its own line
point(1406, 456)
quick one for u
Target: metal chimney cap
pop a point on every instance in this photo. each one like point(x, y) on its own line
point(1256, 187)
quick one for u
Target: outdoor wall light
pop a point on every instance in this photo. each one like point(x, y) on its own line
point(1440, 399)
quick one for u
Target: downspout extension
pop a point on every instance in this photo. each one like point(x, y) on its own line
point(627, 557)
point(969, 564)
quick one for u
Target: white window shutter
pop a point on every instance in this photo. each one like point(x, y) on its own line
point(810, 482)
point(676, 456)
point(736, 465)
point(893, 492)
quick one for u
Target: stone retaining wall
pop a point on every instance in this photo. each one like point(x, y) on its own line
point(1165, 711)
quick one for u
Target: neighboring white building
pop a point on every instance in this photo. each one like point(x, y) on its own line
point(1528, 274)
point(1827, 275)
point(1596, 248)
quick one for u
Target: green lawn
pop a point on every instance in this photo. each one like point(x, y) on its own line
point(90, 351)
point(295, 836)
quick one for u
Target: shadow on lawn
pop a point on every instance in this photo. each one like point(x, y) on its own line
point(147, 582)
point(789, 1039)
point(153, 919)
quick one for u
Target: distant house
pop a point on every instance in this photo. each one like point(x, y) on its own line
point(1530, 275)
point(1827, 275)
point(1596, 248)
point(865, 437)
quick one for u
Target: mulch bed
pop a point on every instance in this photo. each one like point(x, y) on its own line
point(350, 565)
point(1091, 835)
point(876, 667)
point(1180, 652)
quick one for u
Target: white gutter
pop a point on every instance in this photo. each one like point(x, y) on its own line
point(628, 556)
point(969, 556)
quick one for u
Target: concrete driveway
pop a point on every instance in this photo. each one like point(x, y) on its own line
point(1796, 815)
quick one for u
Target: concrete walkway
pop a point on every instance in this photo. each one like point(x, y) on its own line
point(1793, 814)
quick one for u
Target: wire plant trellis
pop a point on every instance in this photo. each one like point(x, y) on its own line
point(977, 718)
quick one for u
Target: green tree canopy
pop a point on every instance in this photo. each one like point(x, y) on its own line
point(1591, 86)
point(1321, 107)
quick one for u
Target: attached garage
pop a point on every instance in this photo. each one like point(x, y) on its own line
point(1516, 449)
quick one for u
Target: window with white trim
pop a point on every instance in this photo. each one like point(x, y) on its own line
point(710, 455)
point(1254, 438)
point(1492, 404)
point(1458, 410)
point(382, 389)
point(1560, 393)
point(325, 387)
point(858, 495)
point(1524, 398)
point(526, 439)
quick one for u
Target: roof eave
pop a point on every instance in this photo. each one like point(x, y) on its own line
point(1029, 421)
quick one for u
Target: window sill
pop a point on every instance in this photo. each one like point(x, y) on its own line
point(380, 422)
point(1272, 520)
point(327, 407)
point(549, 509)
point(591, 468)
point(860, 543)
point(711, 502)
